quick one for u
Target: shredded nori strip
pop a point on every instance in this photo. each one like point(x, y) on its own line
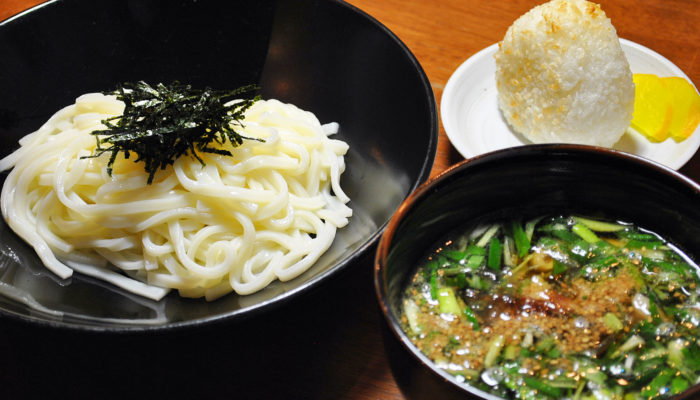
point(164, 122)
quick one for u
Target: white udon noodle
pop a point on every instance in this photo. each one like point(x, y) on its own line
point(233, 224)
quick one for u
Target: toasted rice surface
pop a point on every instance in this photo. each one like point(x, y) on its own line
point(562, 76)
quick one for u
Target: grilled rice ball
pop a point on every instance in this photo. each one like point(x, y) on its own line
point(562, 76)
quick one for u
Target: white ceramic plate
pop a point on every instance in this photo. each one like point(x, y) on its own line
point(474, 124)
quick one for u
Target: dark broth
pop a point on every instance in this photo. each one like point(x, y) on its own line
point(559, 307)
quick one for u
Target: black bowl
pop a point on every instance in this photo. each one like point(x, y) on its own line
point(529, 180)
point(323, 56)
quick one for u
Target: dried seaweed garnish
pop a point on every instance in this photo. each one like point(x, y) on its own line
point(162, 123)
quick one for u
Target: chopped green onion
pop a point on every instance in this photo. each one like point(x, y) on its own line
point(678, 384)
point(579, 389)
point(599, 226)
point(454, 255)
point(458, 280)
point(451, 271)
point(653, 308)
point(429, 267)
point(565, 235)
point(597, 377)
point(542, 386)
point(522, 243)
point(564, 382)
point(631, 343)
point(646, 371)
point(475, 251)
point(530, 227)
point(474, 261)
point(584, 233)
point(507, 252)
point(471, 317)
point(554, 352)
point(657, 385)
point(475, 282)
point(638, 244)
point(487, 235)
point(612, 322)
point(447, 301)
point(633, 235)
point(411, 311)
point(545, 344)
point(443, 261)
point(558, 268)
point(466, 373)
point(494, 259)
point(691, 356)
point(515, 272)
point(511, 352)
point(675, 353)
point(494, 349)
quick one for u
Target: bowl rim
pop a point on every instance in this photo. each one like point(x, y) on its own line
point(380, 281)
point(277, 301)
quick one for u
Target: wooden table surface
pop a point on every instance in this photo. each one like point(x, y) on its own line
point(328, 344)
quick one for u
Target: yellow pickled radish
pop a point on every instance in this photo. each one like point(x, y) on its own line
point(686, 107)
point(652, 107)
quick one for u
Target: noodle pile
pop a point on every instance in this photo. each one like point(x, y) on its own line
point(231, 224)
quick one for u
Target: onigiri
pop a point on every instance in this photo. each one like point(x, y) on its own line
point(562, 76)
